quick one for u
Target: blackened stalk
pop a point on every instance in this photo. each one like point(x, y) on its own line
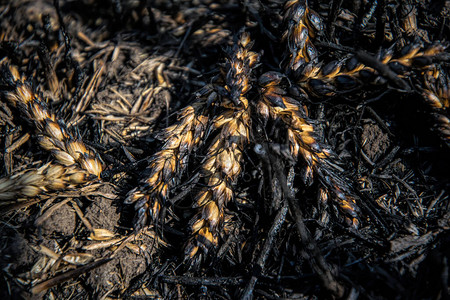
point(260, 264)
point(383, 69)
point(312, 253)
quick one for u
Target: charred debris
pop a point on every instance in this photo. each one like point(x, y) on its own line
point(224, 149)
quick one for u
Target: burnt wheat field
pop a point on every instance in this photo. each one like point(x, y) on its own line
point(231, 149)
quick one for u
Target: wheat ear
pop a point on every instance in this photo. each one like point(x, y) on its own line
point(52, 132)
point(437, 94)
point(350, 73)
point(303, 142)
point(33, 182)
point(302, 26)
point(170, 161)
point(223, 159)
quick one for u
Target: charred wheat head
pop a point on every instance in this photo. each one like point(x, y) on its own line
point(53, 134)
point(223, 159)
point(302, 24)
point(169, 163)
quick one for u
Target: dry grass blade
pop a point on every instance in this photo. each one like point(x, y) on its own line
point(67, 276)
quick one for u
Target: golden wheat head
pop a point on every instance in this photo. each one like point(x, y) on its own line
point(34, 182)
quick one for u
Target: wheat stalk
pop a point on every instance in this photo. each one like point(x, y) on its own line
point(53, 134)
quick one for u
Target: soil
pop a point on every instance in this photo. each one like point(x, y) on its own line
point(375, 141)
point(123, 71)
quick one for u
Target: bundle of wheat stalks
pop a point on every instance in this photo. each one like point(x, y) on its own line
point(221, 121)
